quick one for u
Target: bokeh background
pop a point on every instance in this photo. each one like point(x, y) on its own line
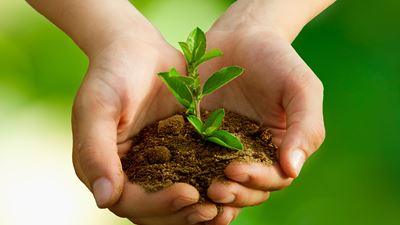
point(354, 179)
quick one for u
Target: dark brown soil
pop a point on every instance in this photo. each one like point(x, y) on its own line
point(170, 151)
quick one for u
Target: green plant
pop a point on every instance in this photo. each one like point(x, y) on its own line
point(188, 91)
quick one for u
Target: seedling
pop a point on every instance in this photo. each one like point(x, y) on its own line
point(188, 91)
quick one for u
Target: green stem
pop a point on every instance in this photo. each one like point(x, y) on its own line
point(198, 112)
point(194, 73)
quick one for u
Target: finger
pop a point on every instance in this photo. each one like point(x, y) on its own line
point(258, 176)
point(225, 217)
point(305, 125)
point(235, 194)
point(195, 214)
point(95, 156)
point(135, 202)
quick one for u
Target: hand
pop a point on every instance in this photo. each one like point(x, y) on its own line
point(121, 94)
point(277, 89)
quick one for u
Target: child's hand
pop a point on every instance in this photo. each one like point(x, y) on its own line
point(277, 89)
point(120, 95)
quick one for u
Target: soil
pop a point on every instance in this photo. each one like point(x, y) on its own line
point(170, 151)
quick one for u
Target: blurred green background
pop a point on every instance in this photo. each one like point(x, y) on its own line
point(354, 179)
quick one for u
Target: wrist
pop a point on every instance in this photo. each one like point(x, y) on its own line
point(119, 38)
point(285, 18)
point(128, 25)
point(94, 24)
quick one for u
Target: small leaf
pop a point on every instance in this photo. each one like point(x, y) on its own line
point(196, 122)
point(187, 80)
point(225, 139)
point(186, 51)
point(220, 78)
point(174, 73)
point(214, 121)
point(196, 43)
point(209, 55)
point(177, 87)
point(191, 110)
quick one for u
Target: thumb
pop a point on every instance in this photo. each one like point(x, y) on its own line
point(95, 152)
point(305, 130)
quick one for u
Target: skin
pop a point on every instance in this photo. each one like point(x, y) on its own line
point(120, 94)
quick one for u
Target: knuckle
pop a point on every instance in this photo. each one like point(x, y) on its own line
point(243, 199)
point(318, 85)
point(305, 80)
point(209, 213)
point(174, 206)
point(240, 202)
point(87, 157)
point(301, 79)
point(206, 212)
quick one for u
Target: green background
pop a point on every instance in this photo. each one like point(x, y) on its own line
point(354, 179)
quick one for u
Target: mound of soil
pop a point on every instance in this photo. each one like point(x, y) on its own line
point(170, 151)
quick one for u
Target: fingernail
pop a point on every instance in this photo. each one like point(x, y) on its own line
point(297, 159)
point(181, 202)
point(102, 191)
point(196, 218)
point(228, 199)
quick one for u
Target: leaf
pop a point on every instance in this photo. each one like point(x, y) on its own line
point(191, 109)
point(186, 51)
point(196, 122)
point(177, 87)
point(220, 78)
point(196, 43)
point(214, 121)
point(174, 73)
point(187, 80)
point(209, 55)
point(225, 139)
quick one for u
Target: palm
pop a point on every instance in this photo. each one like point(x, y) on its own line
point(122, 86)
point(132, 88)
point(260, 93)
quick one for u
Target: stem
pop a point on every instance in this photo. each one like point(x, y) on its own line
point(194, 73)
point(198, 112)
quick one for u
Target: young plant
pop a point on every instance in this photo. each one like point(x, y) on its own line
point(188, 91)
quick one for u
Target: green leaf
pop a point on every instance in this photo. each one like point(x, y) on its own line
point(177, 87)
point(186, 51)
point(225, 139)
point(220, 78)
point(174, 73)
point(214, 121)
point(196, 122)
point(196, 43)
point(191, 110)
point(209, 55)
point(188, 81)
